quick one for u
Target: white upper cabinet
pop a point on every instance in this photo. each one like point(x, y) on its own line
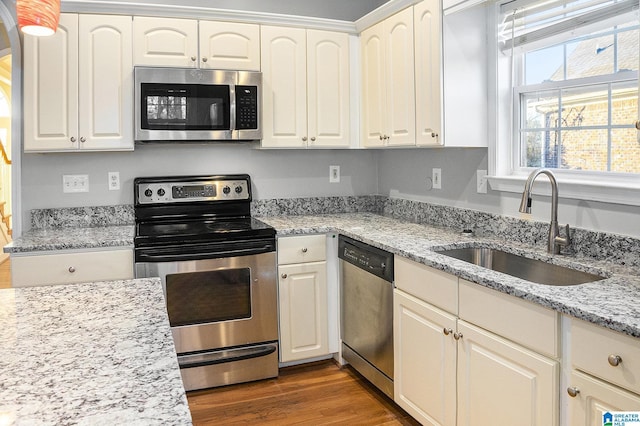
point(230, 46)
point(165, 42)
point(190, 43)
point(388, 82)
point(78, 86)
point(428, 66)
point(305, 88)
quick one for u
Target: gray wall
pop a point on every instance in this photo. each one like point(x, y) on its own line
point(404, 173)
point(275, 173)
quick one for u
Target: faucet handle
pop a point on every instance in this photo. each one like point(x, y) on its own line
point(564, 241)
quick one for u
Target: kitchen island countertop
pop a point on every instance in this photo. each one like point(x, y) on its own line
point(91, 353)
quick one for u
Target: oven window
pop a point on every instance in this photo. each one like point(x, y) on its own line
point(185, 107)
point(208, 296)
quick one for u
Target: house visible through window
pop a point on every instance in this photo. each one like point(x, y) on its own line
point(575, 84)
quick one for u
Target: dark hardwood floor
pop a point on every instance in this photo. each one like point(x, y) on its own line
point(320, 393)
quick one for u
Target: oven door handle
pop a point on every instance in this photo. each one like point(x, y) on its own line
point(220, 357)
point(150, 256)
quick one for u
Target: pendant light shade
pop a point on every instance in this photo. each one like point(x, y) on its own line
point(38, 17)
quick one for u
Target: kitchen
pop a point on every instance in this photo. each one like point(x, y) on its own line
point(302, 173)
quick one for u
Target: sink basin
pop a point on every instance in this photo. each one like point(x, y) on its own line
point(532, 270)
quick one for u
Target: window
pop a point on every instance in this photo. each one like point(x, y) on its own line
point(573, 87)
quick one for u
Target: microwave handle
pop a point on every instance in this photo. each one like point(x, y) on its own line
point(232, 108)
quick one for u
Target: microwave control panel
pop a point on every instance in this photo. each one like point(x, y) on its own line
point(246, 107)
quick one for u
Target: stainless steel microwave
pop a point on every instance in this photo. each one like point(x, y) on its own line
point(188, 104)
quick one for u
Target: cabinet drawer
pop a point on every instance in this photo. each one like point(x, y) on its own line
point(68, 268)
point(428, 284)
point(518, 320)
point(302, 248)
point(592, 346)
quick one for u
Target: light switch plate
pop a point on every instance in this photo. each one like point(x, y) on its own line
point(114, 181)
point(75, 183)
point(436, 177)
point(334, 174)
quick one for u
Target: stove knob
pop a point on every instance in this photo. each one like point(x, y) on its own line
point(238, 189)
point(161, 192)
point(148, 192)
point(226, 190)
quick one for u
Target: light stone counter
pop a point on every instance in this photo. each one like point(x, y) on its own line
point(613, 302)
point(96, 353)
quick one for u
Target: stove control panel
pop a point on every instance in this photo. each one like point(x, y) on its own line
point(177, 192)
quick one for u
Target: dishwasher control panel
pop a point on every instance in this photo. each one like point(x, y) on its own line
point(371, 259)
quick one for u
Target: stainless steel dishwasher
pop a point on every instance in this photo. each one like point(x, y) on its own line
point(366, 311)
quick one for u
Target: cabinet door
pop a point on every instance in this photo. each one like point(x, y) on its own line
point(595, 398)
point(105, 83)
point(328, 89)
point(428, 65)
point(303, 314)
point(284, 76)
point(165, 42)
point(501, 383)
point(399, 77)
point(229, 46)
point(374, 95)
point(424, 360)
point(51, 88)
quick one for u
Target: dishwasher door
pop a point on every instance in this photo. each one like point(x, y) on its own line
point(367, 316)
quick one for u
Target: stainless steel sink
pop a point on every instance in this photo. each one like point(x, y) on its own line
point(532, 270)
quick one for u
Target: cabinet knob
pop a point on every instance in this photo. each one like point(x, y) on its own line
point(304, 249)
point(72, 269)
point(573, 391)
point(434, 135)
point(614, 360)
point(284, 276)
point(193, 58)
point(386, 137)
point(83, 139)
point(73, 139)
point(447, 331)
point(638, 124)
point(457, 336)
point(204, 59)
point(304, 139)
point(381, 137)
point(313, 138)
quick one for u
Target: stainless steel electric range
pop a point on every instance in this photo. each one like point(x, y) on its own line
point(218, 269)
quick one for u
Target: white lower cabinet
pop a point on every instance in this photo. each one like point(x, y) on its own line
point(605, 373)
point(302, 297)
point(449, 371)
point(70, 268)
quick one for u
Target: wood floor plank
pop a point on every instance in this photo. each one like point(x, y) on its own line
point(314, 394)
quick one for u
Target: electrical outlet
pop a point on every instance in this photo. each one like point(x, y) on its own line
point(481, 181)
point(436, 177)
point(334, 174)
point(75, 183)
point(114, 181)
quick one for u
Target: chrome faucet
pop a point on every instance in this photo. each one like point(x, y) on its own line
point(554, 240)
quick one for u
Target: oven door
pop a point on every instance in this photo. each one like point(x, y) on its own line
point(218, 303)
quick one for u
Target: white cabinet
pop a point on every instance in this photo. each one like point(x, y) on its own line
point(78, 86)
point(605, 375)
point(388, 101)
point(428, 72)
point(425, 360)
point(449, 371)
point(71, 267)
point(190, 43)
point(302, 297)
point(306, 95)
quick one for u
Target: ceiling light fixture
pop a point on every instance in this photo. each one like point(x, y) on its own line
point(38, 17)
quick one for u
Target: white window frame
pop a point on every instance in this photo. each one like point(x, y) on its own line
point(504, 172)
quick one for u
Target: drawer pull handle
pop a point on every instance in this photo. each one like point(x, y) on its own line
point(284, 276)
point(457, 336)
point(614, 360)
point(573, 391)
point(447, 331)
point(72, 269)
point(304, 250)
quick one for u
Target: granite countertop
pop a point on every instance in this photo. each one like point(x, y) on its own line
point(95, 353)
point(613, 302)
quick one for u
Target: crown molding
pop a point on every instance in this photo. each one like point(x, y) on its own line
point(383, 12)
